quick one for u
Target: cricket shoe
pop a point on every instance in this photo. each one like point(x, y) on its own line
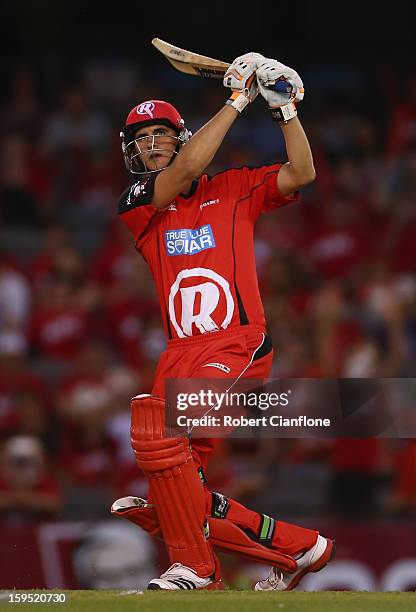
point(312, 560)
point(179, 576)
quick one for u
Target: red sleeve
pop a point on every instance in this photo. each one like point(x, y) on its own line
point(135, 208)
point(259, 184)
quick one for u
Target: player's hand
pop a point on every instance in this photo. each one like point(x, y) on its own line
point(241, 79)
point(241, 74)
point(251, 57)
point(278, 84)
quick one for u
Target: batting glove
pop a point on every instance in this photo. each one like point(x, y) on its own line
point(241, 78)
point(281, 87)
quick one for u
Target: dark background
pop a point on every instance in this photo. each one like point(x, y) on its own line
point(56, 36)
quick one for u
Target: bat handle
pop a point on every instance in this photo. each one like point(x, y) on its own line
point(284, 87)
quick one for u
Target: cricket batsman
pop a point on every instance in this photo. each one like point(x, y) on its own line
point(196, 234)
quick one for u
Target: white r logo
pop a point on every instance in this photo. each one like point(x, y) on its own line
point(145, 108)
point(210, 296)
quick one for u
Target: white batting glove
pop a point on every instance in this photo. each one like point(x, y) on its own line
point(270, 71)
point(241, 78)
point(281, 87)
point(240, 71)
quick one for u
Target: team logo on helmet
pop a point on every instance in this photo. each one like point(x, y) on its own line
point(146, 108)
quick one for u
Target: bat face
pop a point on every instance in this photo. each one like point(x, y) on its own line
point(189, 62)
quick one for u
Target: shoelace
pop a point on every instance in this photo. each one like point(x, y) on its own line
point(274, 577)
point(169, 570)
point(177, 578)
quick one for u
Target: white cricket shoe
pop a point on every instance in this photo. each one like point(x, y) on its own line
point(312, 560)
point(179, 576)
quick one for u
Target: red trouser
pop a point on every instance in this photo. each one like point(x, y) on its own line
point(246, 352)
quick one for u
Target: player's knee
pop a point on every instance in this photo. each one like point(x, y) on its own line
point(147, 417)
point(159, 455)
point(153, 451)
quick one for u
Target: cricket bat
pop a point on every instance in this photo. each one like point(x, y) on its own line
point(202, 65)
point(191, 63)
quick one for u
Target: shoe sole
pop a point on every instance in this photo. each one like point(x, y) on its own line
point(218, 585)
point(324, 559)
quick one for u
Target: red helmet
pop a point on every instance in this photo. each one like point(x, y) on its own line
point(147, 113)
point(153, 111)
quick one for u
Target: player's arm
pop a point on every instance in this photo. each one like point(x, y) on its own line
point(193, 158)
point(199, 151)
point(299, 170)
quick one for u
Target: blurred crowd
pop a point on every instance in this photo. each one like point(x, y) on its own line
point(80, 330)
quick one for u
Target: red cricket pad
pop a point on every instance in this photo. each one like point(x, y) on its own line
point(176, 487)
point(146, 518)
point(289, 539)
point(294, 539)
point(223, 534)
point(232, 539)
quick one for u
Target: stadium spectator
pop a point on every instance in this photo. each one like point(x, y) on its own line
point(84, 389)
point(55, 238)
point(23, 113)
point(65, 312)
point(18, 379)
point(355, 478)
point(403, 495)
point(76, 127)
point(15, 298)
point(28, 490)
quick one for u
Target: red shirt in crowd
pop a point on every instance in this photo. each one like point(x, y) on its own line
point(59, 332)
point(14, 383)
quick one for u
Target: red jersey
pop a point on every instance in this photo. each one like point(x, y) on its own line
point(200, 249)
